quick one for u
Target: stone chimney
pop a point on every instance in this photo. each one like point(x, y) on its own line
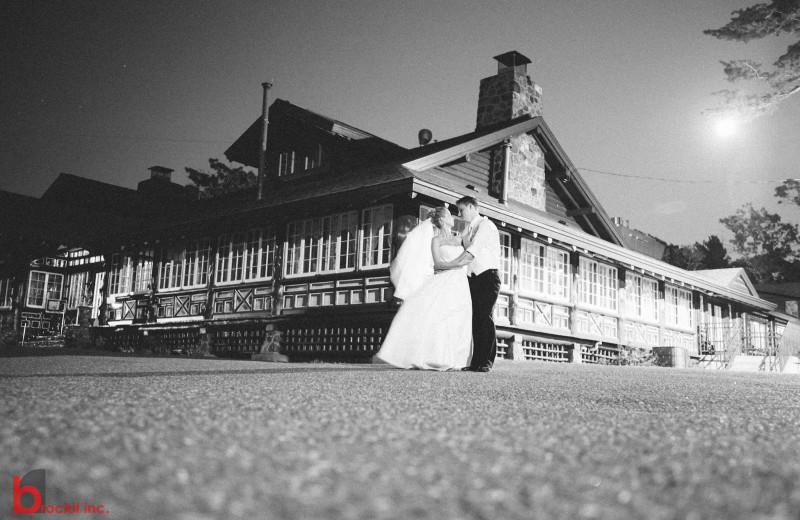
point(160, 173)
point(518, 165)
point(509, 94)
point(160, 184)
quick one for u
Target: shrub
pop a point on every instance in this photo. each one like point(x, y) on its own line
point(633, 356)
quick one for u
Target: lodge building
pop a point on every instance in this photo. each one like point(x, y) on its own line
point(299, 268)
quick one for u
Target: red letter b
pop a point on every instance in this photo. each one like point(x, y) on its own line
point(21, 490)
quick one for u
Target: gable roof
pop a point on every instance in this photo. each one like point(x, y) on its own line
point(246, 148)
point(32, 228)
point(75, 190)
point(734, 278)
point(562, 176)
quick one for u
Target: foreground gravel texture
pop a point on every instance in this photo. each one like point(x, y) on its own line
point(202, 439)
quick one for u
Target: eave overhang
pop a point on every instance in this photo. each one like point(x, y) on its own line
point(589, 244)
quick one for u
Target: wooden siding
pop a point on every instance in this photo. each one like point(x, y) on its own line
point(738, 284)
point(474, 172)
point(554, 205)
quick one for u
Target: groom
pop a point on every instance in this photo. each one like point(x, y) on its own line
point(481, 242)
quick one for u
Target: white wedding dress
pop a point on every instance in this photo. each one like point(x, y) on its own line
point(432, 330)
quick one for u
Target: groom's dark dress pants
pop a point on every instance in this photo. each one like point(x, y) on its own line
point(484, 289)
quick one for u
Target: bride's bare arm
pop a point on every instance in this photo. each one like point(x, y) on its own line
point(439, 264)
point(436, 251)
point(462, 260)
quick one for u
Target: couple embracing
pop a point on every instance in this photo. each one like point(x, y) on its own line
point(449, 286)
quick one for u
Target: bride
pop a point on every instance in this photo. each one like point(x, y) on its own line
point(433, 328)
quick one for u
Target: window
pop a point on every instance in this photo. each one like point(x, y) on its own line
point(77, 283)
point(502, 309)
point(678, 306)
point(130, 272)
point(339, 242)
point(5, 292)
point(143, 271)
point(642, 296)
point(184, 265)
point(598, 284)
point(119, 278)
point(291, 162)
point(230, 258)
point(80, 257)
point(505, 259)
point(170, 269)
point(294, 248)
point(544, 270)
point(44, 286)
point(196, 261)
point(376, 229)
point(240, 256)
point(260, 254)
point(326, 244)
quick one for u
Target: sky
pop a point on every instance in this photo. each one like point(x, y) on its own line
point(106, 89)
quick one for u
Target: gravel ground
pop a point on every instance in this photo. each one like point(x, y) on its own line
point(200, 439)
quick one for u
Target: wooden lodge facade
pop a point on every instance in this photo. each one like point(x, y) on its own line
point(301, 269)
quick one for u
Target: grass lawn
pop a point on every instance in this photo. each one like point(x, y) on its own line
point(198, 439)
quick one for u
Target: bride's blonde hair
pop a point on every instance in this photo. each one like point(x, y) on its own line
point(437, 216)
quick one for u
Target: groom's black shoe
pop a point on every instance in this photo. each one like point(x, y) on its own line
point(482, 369)
point(468, 369)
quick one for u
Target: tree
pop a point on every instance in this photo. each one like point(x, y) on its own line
point(685, 257)
point(778, 83)
point(768, 246)
point(224, 179)
point(759, 232)
point(789, 192)
point(713, 254)
point(710, 254)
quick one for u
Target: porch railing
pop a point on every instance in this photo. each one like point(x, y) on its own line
point(720, 343)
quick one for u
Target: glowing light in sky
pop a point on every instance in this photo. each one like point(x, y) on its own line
point(726, 126)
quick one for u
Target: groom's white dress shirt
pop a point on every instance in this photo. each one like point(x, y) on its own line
point(485, 247)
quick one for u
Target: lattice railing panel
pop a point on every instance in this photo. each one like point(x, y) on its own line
point(599, 354)
point(502, 348)
point(233, 340)
point(327, 340)
point(534, 350)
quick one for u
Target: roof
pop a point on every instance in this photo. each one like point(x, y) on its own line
point(789, 289)
point(377, 182)
point(75, 190)
point(32, 228)
point(512, 59)
point(563, 176)
point(74, 212)
point(734, 278)
point(246, 148)
point(421, 170)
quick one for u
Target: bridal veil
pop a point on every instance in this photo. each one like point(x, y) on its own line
point(413, 264)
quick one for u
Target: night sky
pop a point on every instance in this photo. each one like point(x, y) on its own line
point(107, 89)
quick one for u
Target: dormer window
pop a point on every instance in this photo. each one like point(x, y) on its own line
point(295, 161)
